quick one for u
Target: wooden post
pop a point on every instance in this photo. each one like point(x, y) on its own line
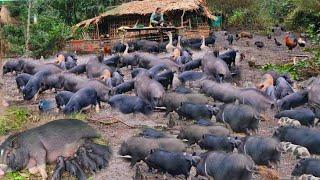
point(1, 45)
point(97, 31)
point(182, 17)
point(28, 29)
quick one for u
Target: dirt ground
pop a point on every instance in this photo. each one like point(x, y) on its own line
point(125, 126)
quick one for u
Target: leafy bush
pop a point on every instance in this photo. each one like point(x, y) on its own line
point(238, 18)
point(300, 19)
point(48, 36)
point(14, 36)
point(13, 119)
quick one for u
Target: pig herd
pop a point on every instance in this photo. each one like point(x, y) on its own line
point(223, 119)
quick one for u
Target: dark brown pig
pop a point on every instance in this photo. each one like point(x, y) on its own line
point(172, 101)
point(215, 68)
point(241, 118)
point(223, 92)
point(194, 133)
point(148, 89)
point(36, 147)
point(314, 97)
point(256, 99)
point(95, 68)
point(139, 147)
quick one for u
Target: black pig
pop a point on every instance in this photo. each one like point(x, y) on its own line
point(193, 111)
point(81, 99)
point(139, 147)
point(44, 144)
point(194, 133)
point(241, 118)
point(307, 137)
point(152, 133)
point(307, 166)
point(130, 104)
point(221, 166)
point(263, 150)
point(303, 115)
point(174, 163)
point(58, 170)
point(62, 98)
point(293, 100)
point(213, 143)
point(123, 87)
point(22, 80)
point(34, 84)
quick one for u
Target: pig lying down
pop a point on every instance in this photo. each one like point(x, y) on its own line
point(34, 148)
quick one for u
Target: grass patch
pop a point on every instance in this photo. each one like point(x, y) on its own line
point(17, 176)
point(79, 116)
point(13, 119)
point(303, 69)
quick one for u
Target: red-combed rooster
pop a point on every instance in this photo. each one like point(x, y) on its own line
point(107, 50)
point(290, 41)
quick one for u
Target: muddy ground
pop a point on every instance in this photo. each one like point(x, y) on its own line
point(116, 127)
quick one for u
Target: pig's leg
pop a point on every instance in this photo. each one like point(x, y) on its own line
point(97, 108)
point(41, 162)
point(32, 166)
point(166, 114)
point(36, 96)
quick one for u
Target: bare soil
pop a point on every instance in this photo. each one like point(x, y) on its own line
point(125, 126)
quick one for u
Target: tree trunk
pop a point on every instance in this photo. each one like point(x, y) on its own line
point(27, 53)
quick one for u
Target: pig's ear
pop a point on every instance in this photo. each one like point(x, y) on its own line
point(14, 144)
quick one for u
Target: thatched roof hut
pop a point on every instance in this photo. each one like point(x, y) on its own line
point(5, 17)
point(188, 17)
point(146, 7)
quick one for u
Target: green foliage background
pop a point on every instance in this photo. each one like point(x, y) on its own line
point(55, 18)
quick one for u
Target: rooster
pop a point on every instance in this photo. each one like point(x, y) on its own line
point(259, 44)
point(290, 41)
point(107, 50)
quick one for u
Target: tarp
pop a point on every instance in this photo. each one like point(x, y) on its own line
point(217, 22)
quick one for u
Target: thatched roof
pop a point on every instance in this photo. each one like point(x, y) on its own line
point(5, 17)
point(146, 7)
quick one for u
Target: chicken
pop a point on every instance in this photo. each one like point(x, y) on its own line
point(269, 36)
point(259, 44)
point(244, 34)
point(277, 42)
point(230, 39)
point(301, 42)
point(290, 41)
point(107, 50)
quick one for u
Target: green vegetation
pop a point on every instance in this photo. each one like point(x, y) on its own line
point(294, 15)
point(51, 22)
point(16, 176)
point(13, 119)
point(259, 15)
point(79, 116)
